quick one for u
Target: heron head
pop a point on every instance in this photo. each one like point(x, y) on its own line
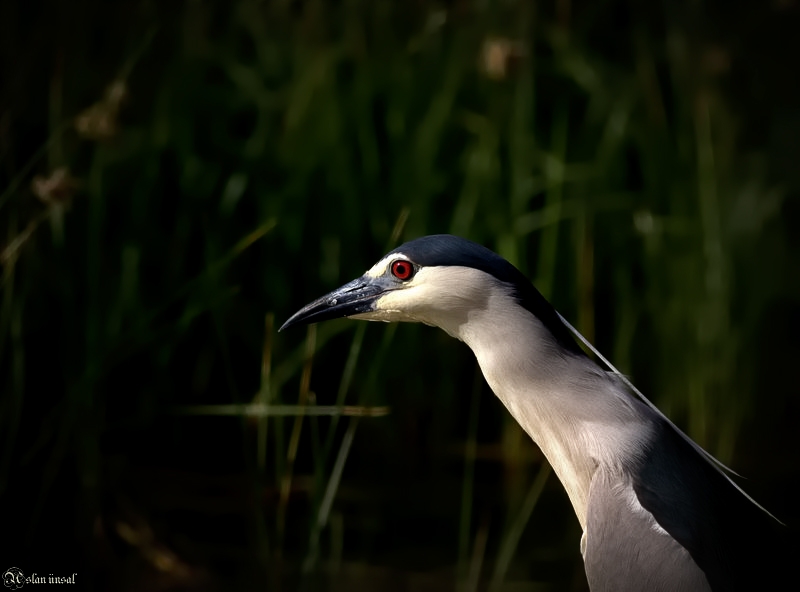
point(404, 286)
point(440, 280)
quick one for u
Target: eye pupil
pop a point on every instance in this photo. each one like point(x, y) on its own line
point(402, 270)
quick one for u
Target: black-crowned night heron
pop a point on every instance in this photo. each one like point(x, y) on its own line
point(657, 511)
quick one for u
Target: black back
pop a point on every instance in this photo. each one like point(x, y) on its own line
point(733, 541)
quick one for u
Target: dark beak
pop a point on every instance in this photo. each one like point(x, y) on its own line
point(354, 298)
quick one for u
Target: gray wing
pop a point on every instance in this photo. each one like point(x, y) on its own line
point(625, 549)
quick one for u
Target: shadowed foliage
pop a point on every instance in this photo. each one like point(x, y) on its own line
point(176, 178)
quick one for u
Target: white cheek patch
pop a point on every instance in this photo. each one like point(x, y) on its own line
point(436, 296)
point(379, 268)
point(390, 301)
point(404, 302)
point(402, 298)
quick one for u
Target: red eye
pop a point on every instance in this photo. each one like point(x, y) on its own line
point(402, 270)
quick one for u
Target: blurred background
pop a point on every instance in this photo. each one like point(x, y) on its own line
point(177, 178)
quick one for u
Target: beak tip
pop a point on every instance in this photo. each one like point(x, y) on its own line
point(288, 323)
point(356, 297)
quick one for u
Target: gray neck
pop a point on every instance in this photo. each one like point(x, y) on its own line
point(566, 403)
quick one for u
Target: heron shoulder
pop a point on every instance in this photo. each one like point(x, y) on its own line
point(736, 544)
point(625, 548)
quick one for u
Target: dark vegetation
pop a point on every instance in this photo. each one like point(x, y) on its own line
point(176, 178)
